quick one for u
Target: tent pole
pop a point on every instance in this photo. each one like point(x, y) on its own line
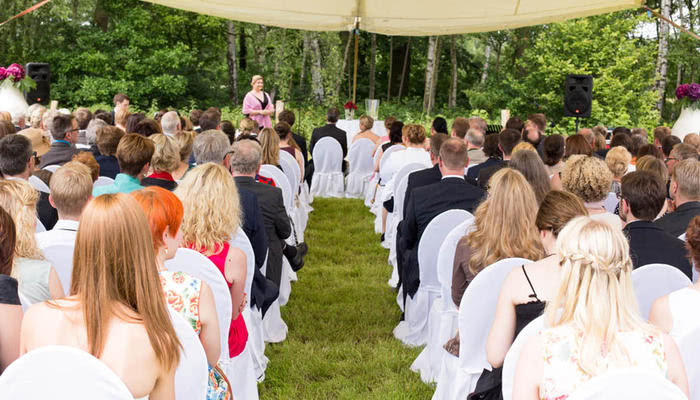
point(356, 32)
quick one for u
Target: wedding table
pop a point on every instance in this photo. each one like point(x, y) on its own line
point(352, 128)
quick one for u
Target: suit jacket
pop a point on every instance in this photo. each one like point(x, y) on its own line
point(59, 153)
point(330, 130)
point(418, 179)
point(301, 142)
point(486, 173)
point(426, 203)
point(263, 291)
point(277, 226)
point(650, 244)
point(473, 172)
point(676, 223)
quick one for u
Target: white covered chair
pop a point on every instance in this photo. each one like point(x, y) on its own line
point(628, 384)
point(458, 376)
point(274, 328)
point(413, 330)
point(373, 182)
point(327, 180)
point(103, 181)
point(38, 184)
point(39, 226)
point(360, 168)
point(689, 347)
point(442, 325)
point(611, 202)
point(376, 207)
point(513, 355)
point(655, 280)
point(61, 373)
point(241, 375)
point(291, 170)
point(282, 182)
point(192, 375)
point(52, 168)
point(61, 258)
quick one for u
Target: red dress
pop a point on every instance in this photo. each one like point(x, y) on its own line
point(237, 332)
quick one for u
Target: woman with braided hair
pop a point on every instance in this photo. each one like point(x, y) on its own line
point(593, 322)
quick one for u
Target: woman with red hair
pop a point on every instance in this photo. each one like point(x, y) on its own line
point(188, 296)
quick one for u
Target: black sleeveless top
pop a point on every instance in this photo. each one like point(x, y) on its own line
point(526, 312)
point(8, 290)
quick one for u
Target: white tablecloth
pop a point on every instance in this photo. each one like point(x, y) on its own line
point(352, 128)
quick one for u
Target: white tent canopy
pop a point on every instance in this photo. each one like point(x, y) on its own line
point(402, 17)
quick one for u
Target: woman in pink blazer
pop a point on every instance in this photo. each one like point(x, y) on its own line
point(257, 104)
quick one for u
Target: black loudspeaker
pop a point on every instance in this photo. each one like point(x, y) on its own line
point(41, 73)
point(578, 95)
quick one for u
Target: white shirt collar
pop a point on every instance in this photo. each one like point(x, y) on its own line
point(453, 176)
point(66, 225)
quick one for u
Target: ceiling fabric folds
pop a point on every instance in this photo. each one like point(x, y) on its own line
point(402, 17)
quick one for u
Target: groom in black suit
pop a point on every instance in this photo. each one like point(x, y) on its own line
point(427, 202)
point(328, 130)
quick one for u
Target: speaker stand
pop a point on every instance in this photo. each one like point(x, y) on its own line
point(576, 125)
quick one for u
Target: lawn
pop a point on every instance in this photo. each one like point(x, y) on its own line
point(340, 316)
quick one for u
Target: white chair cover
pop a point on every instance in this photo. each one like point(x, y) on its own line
point(39, 227)
point(655, 280)
point(61, 258)
point(192, 375)
point(689, 346)
point(360, 168)
point(328, 179)
point(373, 182)
point(24, 301)
point(52, 168)
point(393, 218)
point(513, 355)
point(282, 182)
point(385, 158)
point(240, 372)
point(458, 376)
point(240, 241)
point(611, 202)
point(628, 384)
point(291, 170)
point(38, 184)
point(275, 328)
point(442, 325)
point(61, 373)
point(413, 330)
point(103, 181)
point(379, 194)
point(197, 265)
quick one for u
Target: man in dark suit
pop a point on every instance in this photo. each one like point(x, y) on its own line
point(426, 176)
point(64, 130)
point(288, 117)
point(452, 192)
point(492, 152)
point(330, 130)
point(245, 164)
point(641, 199)
point(507, 140)
point(685, 192)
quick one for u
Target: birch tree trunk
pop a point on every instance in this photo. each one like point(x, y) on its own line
point(405, 66)
point(429, 73)
point(372, 61)
point(304, 54)
point(487, 56)
point(662, 60)
point(316, 78)
point(391, 64)
point(436, 74)
point(452, 100)
point(344, 65)
point(231, 61)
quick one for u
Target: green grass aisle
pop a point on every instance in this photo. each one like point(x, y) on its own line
point(340, 316)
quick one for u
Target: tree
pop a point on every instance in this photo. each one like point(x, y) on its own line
point(316, 78)
point(372, 65)
point(662, 60)
point(231, 61)
point(452, 101)
point(430, 74)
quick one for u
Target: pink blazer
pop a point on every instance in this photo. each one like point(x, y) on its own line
point(251, 103)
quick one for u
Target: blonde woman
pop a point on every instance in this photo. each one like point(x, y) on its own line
point(115, 310)
point(165, 160)
point(38, 280)
point(590, 179)
point(594, 325)
point(366, 124)
point(246, 126)
point(270, 143)
point(257, 104)
point(212, 214)
point(618, 160)
point(184, 141)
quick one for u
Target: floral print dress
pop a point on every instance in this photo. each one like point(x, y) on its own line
point(182, 293)
point(562, 374)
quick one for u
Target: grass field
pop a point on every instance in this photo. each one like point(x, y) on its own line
point(341, 314)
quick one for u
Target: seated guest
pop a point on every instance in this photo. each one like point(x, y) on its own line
point(121, 118)
point(91, 135)
point(17, 162)
point(661, 133)
point(193, 298)
point(685, 192)
point(653, 165)
point(108, 138)
point(395, 138)
point(83, 116)
point(210, 120)
point(147, 127)
point(552, 154)
point(87, 159)
point(534, 130)
point(459, 128)
point(676, 313)
point(6, 128)
point(531, 166)
point(504, 227)
point(36, 133)
point(288, 117)
point(133, 121)
point(577, 144)
point(170, 123)
point(330, 130)
point(679, 153)
point(165, 159)
point(595, 280)
point(115, 285)
point(475, 143)
point(38, 280)
point(693, 140)
point(194, 117)
point(246, 126)
point(439, 125)
point(184, 141)
point(10, 308)
point(515, 123)
point(270, 143)
point(507, 140)
point(228, 129)
point(366, 125)
point(288, 144)
point(64, 130)
point(413, 137)
point(478, 124)
point(650, 149)
point(426, 176)
point(427, 202)
point(618, 161)
point(71, 190)
point(668, 143)
point(210, 146)
point(493, 154)
point(590, 179)
point(134, 154)
point(641, 199)
point(527, 289)
point(621, 139)
point(211, 214)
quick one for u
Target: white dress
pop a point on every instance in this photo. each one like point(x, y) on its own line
point(684, 304)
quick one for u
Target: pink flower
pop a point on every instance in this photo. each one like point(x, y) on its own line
point(682, 91)
point(694, 91)
point(16, 71)
point(3, 74)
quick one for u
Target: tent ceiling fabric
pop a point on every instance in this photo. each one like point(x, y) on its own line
point(402, 17)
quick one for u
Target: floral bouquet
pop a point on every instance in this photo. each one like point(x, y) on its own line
point(689, 95)
point(15, 76)
point(350, 108)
